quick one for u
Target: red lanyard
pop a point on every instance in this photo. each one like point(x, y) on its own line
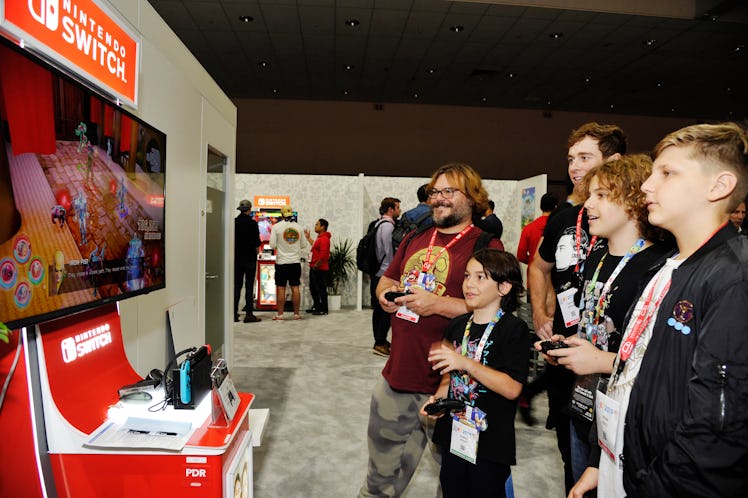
point(642, 320)
point(579, 241)
point(427, 262)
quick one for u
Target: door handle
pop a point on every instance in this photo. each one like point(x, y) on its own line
point(211, 276)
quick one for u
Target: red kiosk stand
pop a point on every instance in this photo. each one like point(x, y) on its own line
point(69, 374)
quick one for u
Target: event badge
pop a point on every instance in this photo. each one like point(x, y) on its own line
point(406, 314)
point(607, 413)
point(569, 310)
point(466, 429)
point(427, 281)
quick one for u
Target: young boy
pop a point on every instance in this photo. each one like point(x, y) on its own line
point(674, 421)
point(484, 361)
point(617, 211)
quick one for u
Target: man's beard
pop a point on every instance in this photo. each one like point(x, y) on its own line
point(458, 215)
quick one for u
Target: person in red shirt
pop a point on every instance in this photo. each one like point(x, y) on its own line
point(319, 266)
point(533, 232)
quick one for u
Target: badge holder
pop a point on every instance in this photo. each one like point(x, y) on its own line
point(224, 396)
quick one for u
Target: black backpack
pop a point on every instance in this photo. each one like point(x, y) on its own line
point(404, 226)
point(366, 251)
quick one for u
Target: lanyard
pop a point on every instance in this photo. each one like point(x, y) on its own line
point(477, 355)
point(642, 320)
point(427, 264)
point(578, 241)
point(601, 305)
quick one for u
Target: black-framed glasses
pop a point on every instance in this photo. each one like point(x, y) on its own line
point(447, 192)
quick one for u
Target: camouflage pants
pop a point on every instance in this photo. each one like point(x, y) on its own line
point(397, 436)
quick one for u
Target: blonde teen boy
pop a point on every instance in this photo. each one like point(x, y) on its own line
point(617, 211)
point(674, 421)
point(483, 361)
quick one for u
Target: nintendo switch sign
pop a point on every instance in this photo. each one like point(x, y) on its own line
point(81, 35)
point(86, 342)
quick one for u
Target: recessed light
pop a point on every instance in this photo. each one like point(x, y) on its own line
point(510, 75)
point(348, 67)
point(547, 102)
point(415, 95)
point(352, 22)
point(483, 99)
point(739, 48)
point(275, 91)
point(650, 42)
point(456, 28)
point(612, 106)
point(587, 79)
point(246, 18)
point(659, 84)
point(556, 36)
point(345, 92)
point(431, 70)
point(264, 64)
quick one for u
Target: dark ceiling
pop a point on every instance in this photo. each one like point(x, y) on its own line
point(413, 51)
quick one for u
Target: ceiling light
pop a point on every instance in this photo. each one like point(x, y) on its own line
point(483, 99)
point(556, 36)
point(547, 102)
point(659, 84)
point(246, 18)
point(431, 70)
point(264, 64)
point(739, 48)
point(415, 95)
point(612, 106)
point(345, 92)
point(352, 22)
point(510, 75)
point(456, 28)
point(650, 42)
point(587, 79)
point(348, 67)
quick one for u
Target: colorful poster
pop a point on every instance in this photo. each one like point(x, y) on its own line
point(528, 205)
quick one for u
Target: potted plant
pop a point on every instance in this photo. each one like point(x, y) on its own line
point(342, 265)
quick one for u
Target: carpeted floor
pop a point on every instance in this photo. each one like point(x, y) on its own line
point(316, 375)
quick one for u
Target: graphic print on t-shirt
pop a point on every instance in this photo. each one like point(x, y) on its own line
point(291, 235)
point(440, 269)
point(566, 248)
point(462, 385)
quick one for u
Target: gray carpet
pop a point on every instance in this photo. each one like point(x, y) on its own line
point(316, 375)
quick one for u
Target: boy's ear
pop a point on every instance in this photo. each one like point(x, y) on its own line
point(504, 288)
point(723, 186)
point(614, 157)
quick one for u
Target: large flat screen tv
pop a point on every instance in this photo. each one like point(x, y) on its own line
point(81, 195)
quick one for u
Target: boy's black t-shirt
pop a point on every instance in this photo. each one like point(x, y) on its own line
point(559, 247)
point(507, 351)
point(623, 291)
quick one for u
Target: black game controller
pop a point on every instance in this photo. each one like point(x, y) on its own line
point(392, 295)
point(546, 346)
point(442, 404)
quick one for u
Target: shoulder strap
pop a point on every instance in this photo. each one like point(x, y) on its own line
point(483, 240)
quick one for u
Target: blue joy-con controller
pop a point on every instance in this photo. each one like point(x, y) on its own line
point(185, 389)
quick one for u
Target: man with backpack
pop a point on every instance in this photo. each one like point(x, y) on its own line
point(389, 210)
point(413, 219)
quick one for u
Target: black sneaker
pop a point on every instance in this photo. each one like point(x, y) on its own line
point(315, 312)
point(310, 310)
point(236, 318)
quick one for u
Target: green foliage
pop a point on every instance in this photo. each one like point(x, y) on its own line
point(342, 264)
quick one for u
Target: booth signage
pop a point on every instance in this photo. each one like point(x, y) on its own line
point(80, 35)
point(271, 201)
